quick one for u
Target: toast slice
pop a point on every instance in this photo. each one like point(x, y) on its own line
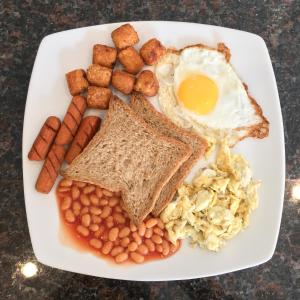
point(128, 155)
point(160, 122)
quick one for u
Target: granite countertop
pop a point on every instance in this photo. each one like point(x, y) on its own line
point(23, 25)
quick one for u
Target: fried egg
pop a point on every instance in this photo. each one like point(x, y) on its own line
point(200, 90)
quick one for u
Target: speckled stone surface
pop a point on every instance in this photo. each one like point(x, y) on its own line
point(23, 24)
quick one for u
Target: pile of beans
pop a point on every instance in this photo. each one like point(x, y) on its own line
point(97, 215)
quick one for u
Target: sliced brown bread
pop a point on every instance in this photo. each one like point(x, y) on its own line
point(160, 122)
point(128, 155)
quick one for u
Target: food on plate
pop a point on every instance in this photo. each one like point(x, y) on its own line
point(77, 82)
point(163, 125)
point(71, 121)
point(97, 219)
point(123, 81)
point(87, 129)
point(124, 36)
point(99, 75)
point(104, 55)
point(200, 90)
point(50, 169)
point(216, 206)
point(128, 155)
point(146, 83)
point(45, 138)
point(131, 60)
point(98, 97)
point(152, 51)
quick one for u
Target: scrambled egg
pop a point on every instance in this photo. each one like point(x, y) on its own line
point(216, 206)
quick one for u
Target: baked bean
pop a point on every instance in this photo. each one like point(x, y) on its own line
point(159, 248)
point(75, 192)
point(66, 182)
point(109, 224)
point(119, 218)
point(160, 223)
point(113, 234)
point(85, 210)
point(84, 199)
point(116, 250)
point(69, 216)
point(121, 257)
point(142, 229)
point(76, 205)
point(110, 219)
point(137, 238)
point(96, 243)
point(88, 189)
point(166, 248)
point(104, 236)
point(105, 212)
point(86, 220)
point(133, 228)
point(113, 201)
point(83, 230)
point(136, 257)
point(103, 202)
point(173, 247)
point(94, 227)
point(66, 203)
point(95, 210)
point(64, 189)
point(94, 199)
point(148, 233)
point(151, 223)
point(99, 192)
point(143, 249)
point(124, 232)
point(150, 245)
point(125, 241)
point(107, 193)
point(158, 231)
point(107, 247)
point(96, 219)
point(156, 239)
point(80, 184)
point(132, 246)
point(98, 233)
point(118, 208)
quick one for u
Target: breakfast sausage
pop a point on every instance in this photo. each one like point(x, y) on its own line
point(86, 131)
point(44, 140)
point(50, 169)
point(71, 121)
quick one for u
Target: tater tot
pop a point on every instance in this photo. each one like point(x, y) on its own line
point(123, 81)
point(131, 60)
point(124, 36)
point(77, 82)
point(98, 75)
point(152, 51)
point(104, 55)
point(98, 97)
point(147, 83)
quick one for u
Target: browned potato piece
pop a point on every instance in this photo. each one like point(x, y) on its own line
point(146, 83)
point(124, 36)
point(104, 55)
point(123, 81)
point(98, 97)
point(76, 81)
point(152, 51)
point(131, 60)
point(98, 75)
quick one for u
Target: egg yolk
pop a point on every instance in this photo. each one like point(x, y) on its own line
point(198, 93)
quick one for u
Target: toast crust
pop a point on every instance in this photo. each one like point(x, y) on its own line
point(185, 153)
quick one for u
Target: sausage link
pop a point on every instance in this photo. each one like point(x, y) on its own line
point(50, 169)
point(86, 131)
point(71, 121)
point(44, 140)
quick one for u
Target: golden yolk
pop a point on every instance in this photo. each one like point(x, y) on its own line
point(198, 93)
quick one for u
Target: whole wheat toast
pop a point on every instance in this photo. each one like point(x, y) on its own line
point(128, 155)
point(160, 122)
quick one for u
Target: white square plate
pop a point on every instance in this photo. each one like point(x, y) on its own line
point(48, 95)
